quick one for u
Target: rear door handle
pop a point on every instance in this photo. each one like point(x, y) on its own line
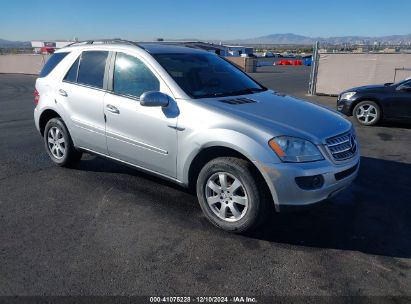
point(63, 93)
point(112, 109)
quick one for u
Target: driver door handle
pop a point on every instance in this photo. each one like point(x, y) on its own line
point(112, 109)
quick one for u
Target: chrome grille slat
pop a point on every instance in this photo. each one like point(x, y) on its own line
point(332, 145)
point(341, 151)
point(342, 147)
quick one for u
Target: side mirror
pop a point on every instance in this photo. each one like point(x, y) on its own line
point(154, 99)
point(406, 88)
point(388, 84)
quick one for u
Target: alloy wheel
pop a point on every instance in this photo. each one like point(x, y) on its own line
point(56, 142)
point(226, 196)
point(367, 113)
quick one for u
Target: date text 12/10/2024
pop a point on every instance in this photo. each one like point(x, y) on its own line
point(203, 300)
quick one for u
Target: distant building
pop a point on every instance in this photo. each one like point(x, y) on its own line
point(219, 49)
point(236, 50)
point(41, 46)
point(358, 50)
point(389, 50)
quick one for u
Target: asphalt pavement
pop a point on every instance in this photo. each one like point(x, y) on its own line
point(106, 229)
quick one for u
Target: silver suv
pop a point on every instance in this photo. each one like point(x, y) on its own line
point(192, 117)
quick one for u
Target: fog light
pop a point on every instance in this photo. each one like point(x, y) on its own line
point(310, 182)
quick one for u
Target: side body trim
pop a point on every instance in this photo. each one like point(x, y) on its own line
point(174, 180)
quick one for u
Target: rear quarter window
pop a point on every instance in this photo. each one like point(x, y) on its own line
point(71, 75)
point(52, 63)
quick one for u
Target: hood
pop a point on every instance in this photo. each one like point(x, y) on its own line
point(285, 115)
point(366, 88)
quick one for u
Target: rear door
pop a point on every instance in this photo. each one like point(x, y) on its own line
point(82, 94)
point(143, 136)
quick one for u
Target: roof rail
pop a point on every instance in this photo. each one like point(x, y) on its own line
point(105, 41)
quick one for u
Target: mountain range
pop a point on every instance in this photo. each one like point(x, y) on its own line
point(278, 39)
point(14, 44)
point(298, 39)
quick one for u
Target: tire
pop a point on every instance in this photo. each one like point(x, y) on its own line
point(240, 206)
point(59, 144)
point(367, 113)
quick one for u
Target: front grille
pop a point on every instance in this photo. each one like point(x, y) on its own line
point(342, 147)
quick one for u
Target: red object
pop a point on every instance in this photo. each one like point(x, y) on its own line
point(290, 62)
point(48, 50)
point(283, 62)
point(36, 97)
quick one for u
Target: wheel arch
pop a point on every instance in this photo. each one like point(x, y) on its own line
point(45, 116)
point(209, 153)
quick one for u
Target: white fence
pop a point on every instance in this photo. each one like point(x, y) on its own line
point(339, 72)
point(22, 64)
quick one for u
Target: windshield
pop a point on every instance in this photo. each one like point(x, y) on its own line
point(406, 81)
point(207, 75)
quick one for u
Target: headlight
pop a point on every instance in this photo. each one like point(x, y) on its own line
point(347, 95)
point(295, 150)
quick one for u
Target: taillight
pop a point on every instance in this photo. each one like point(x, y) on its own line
point(36, 97)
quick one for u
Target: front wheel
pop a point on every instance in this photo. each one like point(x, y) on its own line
point(232, 195)
point(367, 113)
point(59, 144)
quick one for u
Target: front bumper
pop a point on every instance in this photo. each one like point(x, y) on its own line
point(344, 106)
point(287, 194)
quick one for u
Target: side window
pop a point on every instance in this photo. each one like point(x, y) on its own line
point(132, 77)
point(71, 75)
point(406, 83)
point(53, 61)
point(92, 66)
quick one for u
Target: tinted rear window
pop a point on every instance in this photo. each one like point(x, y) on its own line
point(52, 63)
point(92, 66)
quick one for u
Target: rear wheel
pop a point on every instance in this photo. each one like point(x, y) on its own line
point(232, 195)
point(367, 113)
point(59, 144)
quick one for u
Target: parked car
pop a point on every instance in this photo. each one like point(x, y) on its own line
point(193, 118)
point(271, 55)
point(268, 55)
point(307, 60)
point(249, 55)
point(370, 104)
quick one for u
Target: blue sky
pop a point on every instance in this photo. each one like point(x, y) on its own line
point(202, 19)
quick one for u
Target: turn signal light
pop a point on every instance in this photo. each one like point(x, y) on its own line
point(276, 148)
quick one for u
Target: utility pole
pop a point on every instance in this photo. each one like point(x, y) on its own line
point(314, 70)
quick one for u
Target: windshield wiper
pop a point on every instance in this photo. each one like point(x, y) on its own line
point(238, 92)
point(232, 93)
